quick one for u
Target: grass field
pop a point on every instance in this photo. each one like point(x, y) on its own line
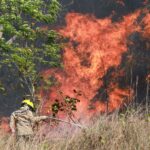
point(125, 131)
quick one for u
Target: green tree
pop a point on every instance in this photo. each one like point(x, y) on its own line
point(25, 45)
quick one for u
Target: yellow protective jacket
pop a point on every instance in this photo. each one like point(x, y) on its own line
point(23, 120)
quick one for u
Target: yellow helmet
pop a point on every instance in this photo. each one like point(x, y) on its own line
point(28, 102)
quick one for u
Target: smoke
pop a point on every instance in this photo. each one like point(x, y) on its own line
point(102, 9)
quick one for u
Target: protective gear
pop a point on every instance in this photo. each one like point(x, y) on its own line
point(29, 103)
point(23, 120)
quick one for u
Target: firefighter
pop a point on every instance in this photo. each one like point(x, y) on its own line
point(23, 120)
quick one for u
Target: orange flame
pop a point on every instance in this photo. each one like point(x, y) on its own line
point(95, 46)
point(146, 23)
point(4, 125)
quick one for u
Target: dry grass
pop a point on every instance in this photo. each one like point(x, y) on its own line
point(130, 131)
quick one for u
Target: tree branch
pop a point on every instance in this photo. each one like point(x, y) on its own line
point(1, 33)
point(10, 41)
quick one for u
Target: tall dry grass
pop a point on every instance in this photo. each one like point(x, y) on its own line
point(128, 131)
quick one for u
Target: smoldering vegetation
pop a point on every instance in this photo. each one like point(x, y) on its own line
point(125, 131)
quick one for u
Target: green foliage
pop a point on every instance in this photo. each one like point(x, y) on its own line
point(67, 104)
point(25, 44)
point(48, 82)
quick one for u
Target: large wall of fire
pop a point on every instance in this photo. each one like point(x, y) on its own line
point(106, 56)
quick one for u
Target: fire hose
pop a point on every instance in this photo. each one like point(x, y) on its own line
point(77, 125)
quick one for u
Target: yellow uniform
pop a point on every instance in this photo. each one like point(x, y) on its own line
point(23, 120)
